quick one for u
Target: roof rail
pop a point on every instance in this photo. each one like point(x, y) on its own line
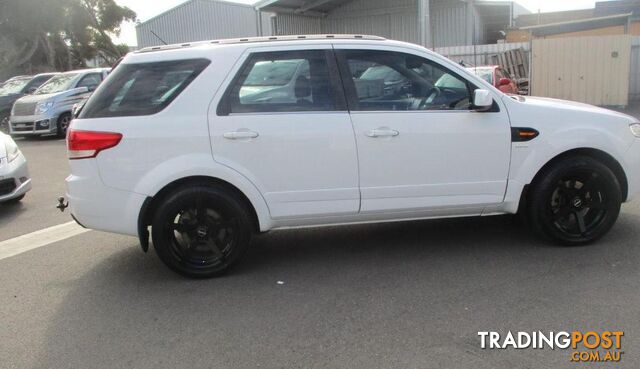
point(229, 41)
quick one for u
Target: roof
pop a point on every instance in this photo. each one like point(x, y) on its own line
point(187, 3)
point(617, 7)
point(89, 70)
point(260, 39)
point(579, 25)
point(305, 7)
point(526, 20)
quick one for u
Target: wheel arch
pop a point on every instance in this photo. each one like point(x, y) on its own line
point(597, 154)
point(152, 201)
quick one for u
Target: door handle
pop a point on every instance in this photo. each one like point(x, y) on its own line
point(237, 135)
point(382, 132)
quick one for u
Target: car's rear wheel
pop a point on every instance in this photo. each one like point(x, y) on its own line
point(575, 201)
point(63, 124)
point(201, 231)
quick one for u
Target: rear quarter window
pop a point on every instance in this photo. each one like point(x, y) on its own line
point(142, 89)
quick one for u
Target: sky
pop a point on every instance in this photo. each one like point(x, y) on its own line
point(147, 9)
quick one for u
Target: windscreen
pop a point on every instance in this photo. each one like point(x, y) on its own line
point(13, 87)
point(142, 89)
point(59, 83)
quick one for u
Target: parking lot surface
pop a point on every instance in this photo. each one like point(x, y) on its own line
point(399, 295)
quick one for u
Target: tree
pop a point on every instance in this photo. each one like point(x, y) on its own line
point(58, 34)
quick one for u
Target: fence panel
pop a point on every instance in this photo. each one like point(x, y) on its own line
point(593, 70)
point(634, 78)
point(480, 54)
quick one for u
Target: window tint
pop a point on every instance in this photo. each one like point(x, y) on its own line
point(281, 82)
point(396, 81)
point(142, 89)
point(91, 81)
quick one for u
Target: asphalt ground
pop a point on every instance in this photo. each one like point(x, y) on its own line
point(398, 295)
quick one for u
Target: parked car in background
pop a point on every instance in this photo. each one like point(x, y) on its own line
point(48, 109)
point(170, 142)
point(14, 174)
point(498, 77)
point(15, 88)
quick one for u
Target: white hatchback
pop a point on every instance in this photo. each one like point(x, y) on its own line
point(207, 143)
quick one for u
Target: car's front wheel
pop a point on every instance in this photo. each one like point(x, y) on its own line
point(63, 124)
point(201, 231)
point(575, 201)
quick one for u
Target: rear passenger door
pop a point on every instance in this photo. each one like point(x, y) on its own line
point(282, 122)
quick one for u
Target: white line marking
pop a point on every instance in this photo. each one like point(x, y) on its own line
point(40, 238)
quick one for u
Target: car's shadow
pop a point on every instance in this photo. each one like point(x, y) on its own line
point(9, 211)
point(396, 289)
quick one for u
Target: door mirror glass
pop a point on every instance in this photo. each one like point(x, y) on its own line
point(482, 100)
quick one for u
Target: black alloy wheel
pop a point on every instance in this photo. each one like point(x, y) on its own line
point(576, 202)
point(201, 232)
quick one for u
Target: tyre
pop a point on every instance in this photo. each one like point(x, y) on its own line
point(575, 201)
point(63, 123)
point(201, 231)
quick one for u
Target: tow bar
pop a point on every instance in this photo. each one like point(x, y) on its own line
point(62, 204)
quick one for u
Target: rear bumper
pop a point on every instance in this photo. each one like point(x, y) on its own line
point(100, 207)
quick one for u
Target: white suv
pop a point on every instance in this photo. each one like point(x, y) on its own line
point(203, 143)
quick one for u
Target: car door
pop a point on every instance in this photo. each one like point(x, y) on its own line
point(283, 124)
point(421, 146)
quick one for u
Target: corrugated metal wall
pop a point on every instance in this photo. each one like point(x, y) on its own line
point(634, 78)
point(199, 20)
point(593, 70)
point(392, 19)
point(449, 23)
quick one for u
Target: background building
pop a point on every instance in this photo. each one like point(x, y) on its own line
point(605, 19)
point(432, 23)
point(198, 20)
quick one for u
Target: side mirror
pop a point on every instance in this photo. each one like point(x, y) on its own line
point(31, 90)
point(92, 88)
point(482, 100)
point(504, 81)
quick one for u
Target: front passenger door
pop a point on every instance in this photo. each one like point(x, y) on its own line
point(421, 146)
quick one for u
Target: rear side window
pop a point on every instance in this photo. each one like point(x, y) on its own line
point(283, 81)
point(142, 89)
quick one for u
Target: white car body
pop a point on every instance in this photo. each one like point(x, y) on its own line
point(14, 173)
point(324, 168)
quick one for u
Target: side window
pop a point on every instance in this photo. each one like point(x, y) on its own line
point(287, 81)
point(386, 81)
point(90, 81)
point(142, 89)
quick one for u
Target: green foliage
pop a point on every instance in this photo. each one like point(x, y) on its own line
point(40, 35)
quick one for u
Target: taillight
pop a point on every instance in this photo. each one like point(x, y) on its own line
point(87, 144)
